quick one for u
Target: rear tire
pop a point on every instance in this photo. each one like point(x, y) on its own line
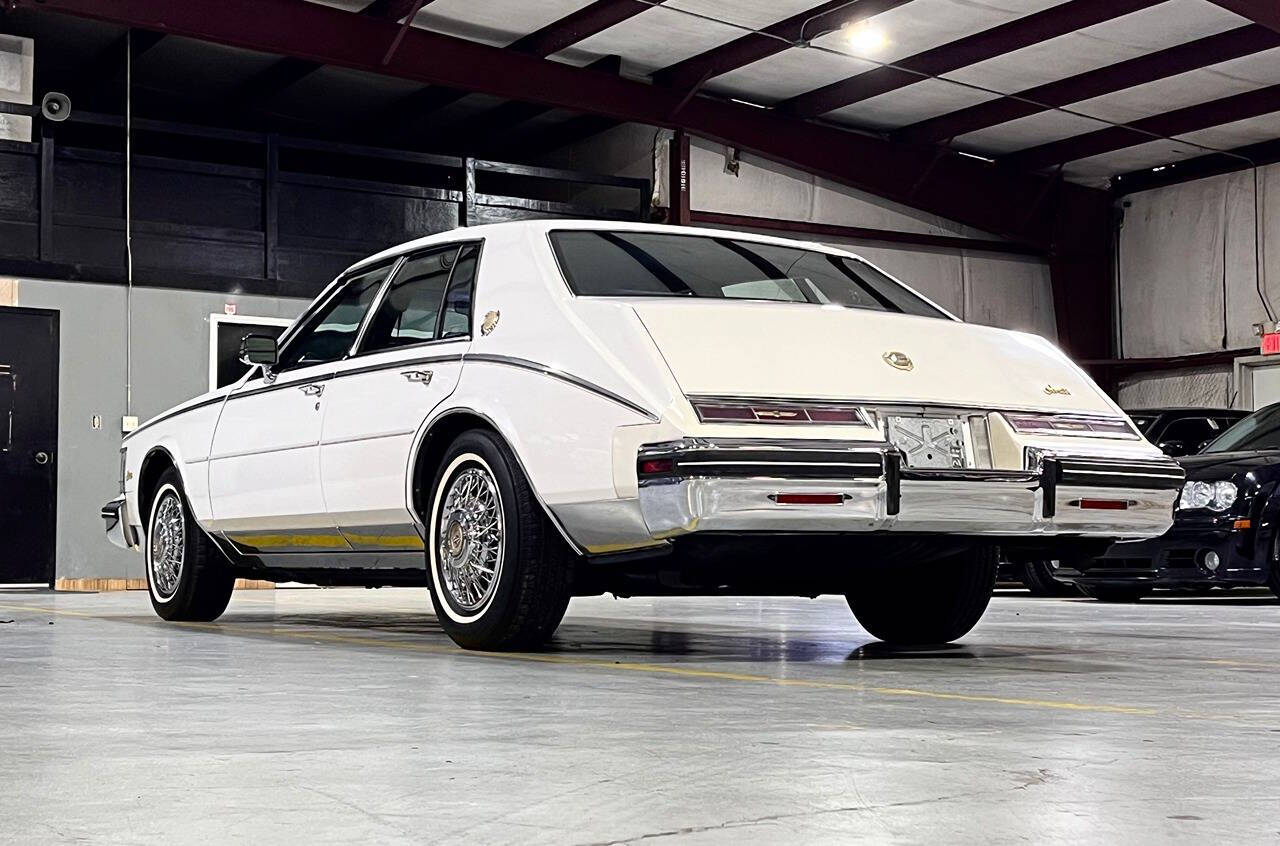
point(1040, 581)
point(500, 574)
point(188, 577)
point(932, 603)
point(1115, 593)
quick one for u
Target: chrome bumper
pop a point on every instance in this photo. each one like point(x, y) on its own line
point(119, 532)
point(695, 485)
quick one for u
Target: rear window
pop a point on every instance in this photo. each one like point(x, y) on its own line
point(598, 263)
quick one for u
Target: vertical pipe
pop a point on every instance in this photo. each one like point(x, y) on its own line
point(128, 223)
point(678, 186)
point(271, 209)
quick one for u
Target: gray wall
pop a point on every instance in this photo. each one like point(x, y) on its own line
point(170, 364)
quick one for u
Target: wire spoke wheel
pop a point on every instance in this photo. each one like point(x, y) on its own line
point(471, 538)
point(168, 544)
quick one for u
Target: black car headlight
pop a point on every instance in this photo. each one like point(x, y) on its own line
point(1216, 496)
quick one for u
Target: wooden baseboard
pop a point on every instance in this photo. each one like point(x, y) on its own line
point(101, 585)
point(96, 585)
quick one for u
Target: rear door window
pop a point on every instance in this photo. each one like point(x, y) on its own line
point(428, 300)
point(1191, 430)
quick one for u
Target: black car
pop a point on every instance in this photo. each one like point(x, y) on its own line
point(1225, 523)
point(1177, 431)
point(1184, 431)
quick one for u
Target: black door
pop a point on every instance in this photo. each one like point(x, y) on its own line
point(28, 443)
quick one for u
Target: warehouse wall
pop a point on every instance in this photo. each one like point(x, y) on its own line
point(1188, 278)
point(170, 364)
point(1188, 272)
point(996, 289)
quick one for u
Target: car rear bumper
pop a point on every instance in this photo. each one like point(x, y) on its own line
point(115, 517)
point(694, 485)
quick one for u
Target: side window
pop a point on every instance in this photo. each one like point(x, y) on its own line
point(456, 322)
point(330, 332)
point(410, 312)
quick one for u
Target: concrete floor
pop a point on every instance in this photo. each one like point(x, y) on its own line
point(346, 716)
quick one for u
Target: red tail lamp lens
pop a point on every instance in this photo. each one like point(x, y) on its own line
point(808, 499)
point(834, 415)
point(712, 413)
point(655, 466)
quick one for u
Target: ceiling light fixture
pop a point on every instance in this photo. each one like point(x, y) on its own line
point(863, 38)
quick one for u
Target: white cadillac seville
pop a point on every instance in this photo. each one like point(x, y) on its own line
point(519, 413)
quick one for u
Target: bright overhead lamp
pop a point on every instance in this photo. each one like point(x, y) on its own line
point(863, 38)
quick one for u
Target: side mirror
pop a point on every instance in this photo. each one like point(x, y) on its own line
point(259, 349)
point(1174, 448)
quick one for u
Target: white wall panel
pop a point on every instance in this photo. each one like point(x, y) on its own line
point(1172, 267)
point(1205, 387)
point(1188, 264)
point(1009, 291)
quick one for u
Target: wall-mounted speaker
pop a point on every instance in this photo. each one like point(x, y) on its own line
point(55, 106)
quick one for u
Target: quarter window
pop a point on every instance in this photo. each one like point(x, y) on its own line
point(330, 332)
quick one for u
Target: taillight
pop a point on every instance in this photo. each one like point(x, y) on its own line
point(807, 413)
point(656, 466)
point(1049, 424)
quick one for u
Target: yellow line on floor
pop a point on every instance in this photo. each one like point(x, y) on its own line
point(653, 669)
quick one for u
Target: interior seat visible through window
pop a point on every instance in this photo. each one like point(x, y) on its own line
point(429, 299)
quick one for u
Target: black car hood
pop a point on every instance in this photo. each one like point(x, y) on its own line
point(1223, 465)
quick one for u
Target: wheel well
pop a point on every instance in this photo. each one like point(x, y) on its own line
point(431, 452)
point(153, 467)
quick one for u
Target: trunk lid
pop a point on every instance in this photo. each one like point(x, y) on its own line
point(795, 350)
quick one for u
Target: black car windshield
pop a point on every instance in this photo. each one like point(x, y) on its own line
point(599, 263)
point(1143, 421)
point(1260, 430)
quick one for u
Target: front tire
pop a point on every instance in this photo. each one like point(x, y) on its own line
point(1039, 580)
point(187, 575)
point(933, 603)
point(500, 575)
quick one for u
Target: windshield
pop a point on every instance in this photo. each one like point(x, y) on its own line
point(598, 263)
point(1260, 430)
point(1143, 421)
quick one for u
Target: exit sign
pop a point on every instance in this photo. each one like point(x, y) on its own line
point(1271, 343)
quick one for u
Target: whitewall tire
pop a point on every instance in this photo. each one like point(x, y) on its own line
point(499, 573)
point(187, 575)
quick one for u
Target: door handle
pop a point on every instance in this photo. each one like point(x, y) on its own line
point(43, 457)
point(312, 390)
point(423, 376)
